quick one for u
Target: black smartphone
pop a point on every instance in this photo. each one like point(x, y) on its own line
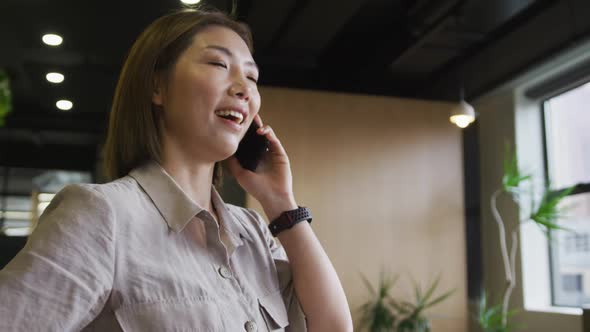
point(252, 148)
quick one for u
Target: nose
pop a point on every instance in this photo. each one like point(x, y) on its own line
point(240, 91)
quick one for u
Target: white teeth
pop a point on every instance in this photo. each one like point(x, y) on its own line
point(239, 117)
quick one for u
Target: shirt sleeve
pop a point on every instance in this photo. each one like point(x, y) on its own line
point(297, 322)
point(62, 278)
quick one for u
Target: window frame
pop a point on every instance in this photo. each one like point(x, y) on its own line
point(579, 188)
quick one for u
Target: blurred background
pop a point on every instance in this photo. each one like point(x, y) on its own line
point(361, 94)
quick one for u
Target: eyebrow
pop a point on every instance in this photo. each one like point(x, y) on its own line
point(230, 54)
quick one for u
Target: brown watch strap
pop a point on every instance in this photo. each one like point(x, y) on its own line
point(288, 219)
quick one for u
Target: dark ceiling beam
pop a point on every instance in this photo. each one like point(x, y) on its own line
point(63, 58)
point(384, 32)
point(86, 122)
point(270, 18)
point(270, 62)
point(334, 80)
point(54, 57)
point(435, 49)
point(286, 24)
point(560, 24)
point(396, 46)
point(426, 17)
point(303, 34)
point(580, 10)
point(45, 137)
point(439, 15)
point(66, 157)
point(456, 28)
point(558, 84)
point(486, 16)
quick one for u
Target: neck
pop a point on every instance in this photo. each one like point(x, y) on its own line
point(194, 176)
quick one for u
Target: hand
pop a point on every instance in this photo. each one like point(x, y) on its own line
point(272, 183)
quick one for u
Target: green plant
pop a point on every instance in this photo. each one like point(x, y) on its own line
point(377, 314)
point(545, 213)
point(490, 318)
point(384, 313)
point(414, 319)
point(5, 97)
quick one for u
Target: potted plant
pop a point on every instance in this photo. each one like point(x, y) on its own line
point(545, 212)
point(384, 313)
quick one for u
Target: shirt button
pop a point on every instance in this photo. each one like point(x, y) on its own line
point(250, 326)
point(225, 272)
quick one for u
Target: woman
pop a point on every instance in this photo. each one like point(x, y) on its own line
point(157, 249)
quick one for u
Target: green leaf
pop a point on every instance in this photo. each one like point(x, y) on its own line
point(430, 290)
point(440, 299)
point(394, 304)
point(417, 292)
point(423, 300)
point(512, 176)
point(377, 314)
point(490, 318)
point(548, 213)
point(368, 284)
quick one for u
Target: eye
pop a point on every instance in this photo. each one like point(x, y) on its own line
point(252, 79)
point(218, 64)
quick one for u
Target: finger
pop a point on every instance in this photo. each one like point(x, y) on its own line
point(258, 120)
point(275, 143)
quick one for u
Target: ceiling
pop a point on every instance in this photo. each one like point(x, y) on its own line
point(407, 48)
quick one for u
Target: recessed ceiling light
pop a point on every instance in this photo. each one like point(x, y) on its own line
point(52, 39)
point(55, 77)
point(190, 2)
point(64, 105)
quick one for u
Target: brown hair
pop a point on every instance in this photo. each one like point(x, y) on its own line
point(133, 136)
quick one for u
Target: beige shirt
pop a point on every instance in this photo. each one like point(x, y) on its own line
point(138, 254)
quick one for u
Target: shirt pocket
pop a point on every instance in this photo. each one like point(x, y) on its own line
point(171, 315)
point(273, 311)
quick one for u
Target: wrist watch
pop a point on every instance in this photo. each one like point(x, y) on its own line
point(288, 219)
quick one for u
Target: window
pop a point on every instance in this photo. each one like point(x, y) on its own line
point(26, 192)
point(576, 243)
point(572, 283)
point(567, 148)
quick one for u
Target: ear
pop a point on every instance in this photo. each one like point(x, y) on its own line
point(157, 94)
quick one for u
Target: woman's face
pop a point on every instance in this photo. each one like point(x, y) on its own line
point(210, 97)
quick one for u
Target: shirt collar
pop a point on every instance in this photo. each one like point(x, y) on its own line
point(176, 207)
point(233, 225)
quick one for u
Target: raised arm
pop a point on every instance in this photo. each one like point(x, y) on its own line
point(316, 283)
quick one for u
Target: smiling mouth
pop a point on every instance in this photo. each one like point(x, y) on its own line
point(234, 116)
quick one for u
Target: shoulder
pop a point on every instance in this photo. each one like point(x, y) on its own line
point(77, 208)
point(124, 193)
point(86, 190)
point(77, 197)
point(84, 198)
point(124, 186)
